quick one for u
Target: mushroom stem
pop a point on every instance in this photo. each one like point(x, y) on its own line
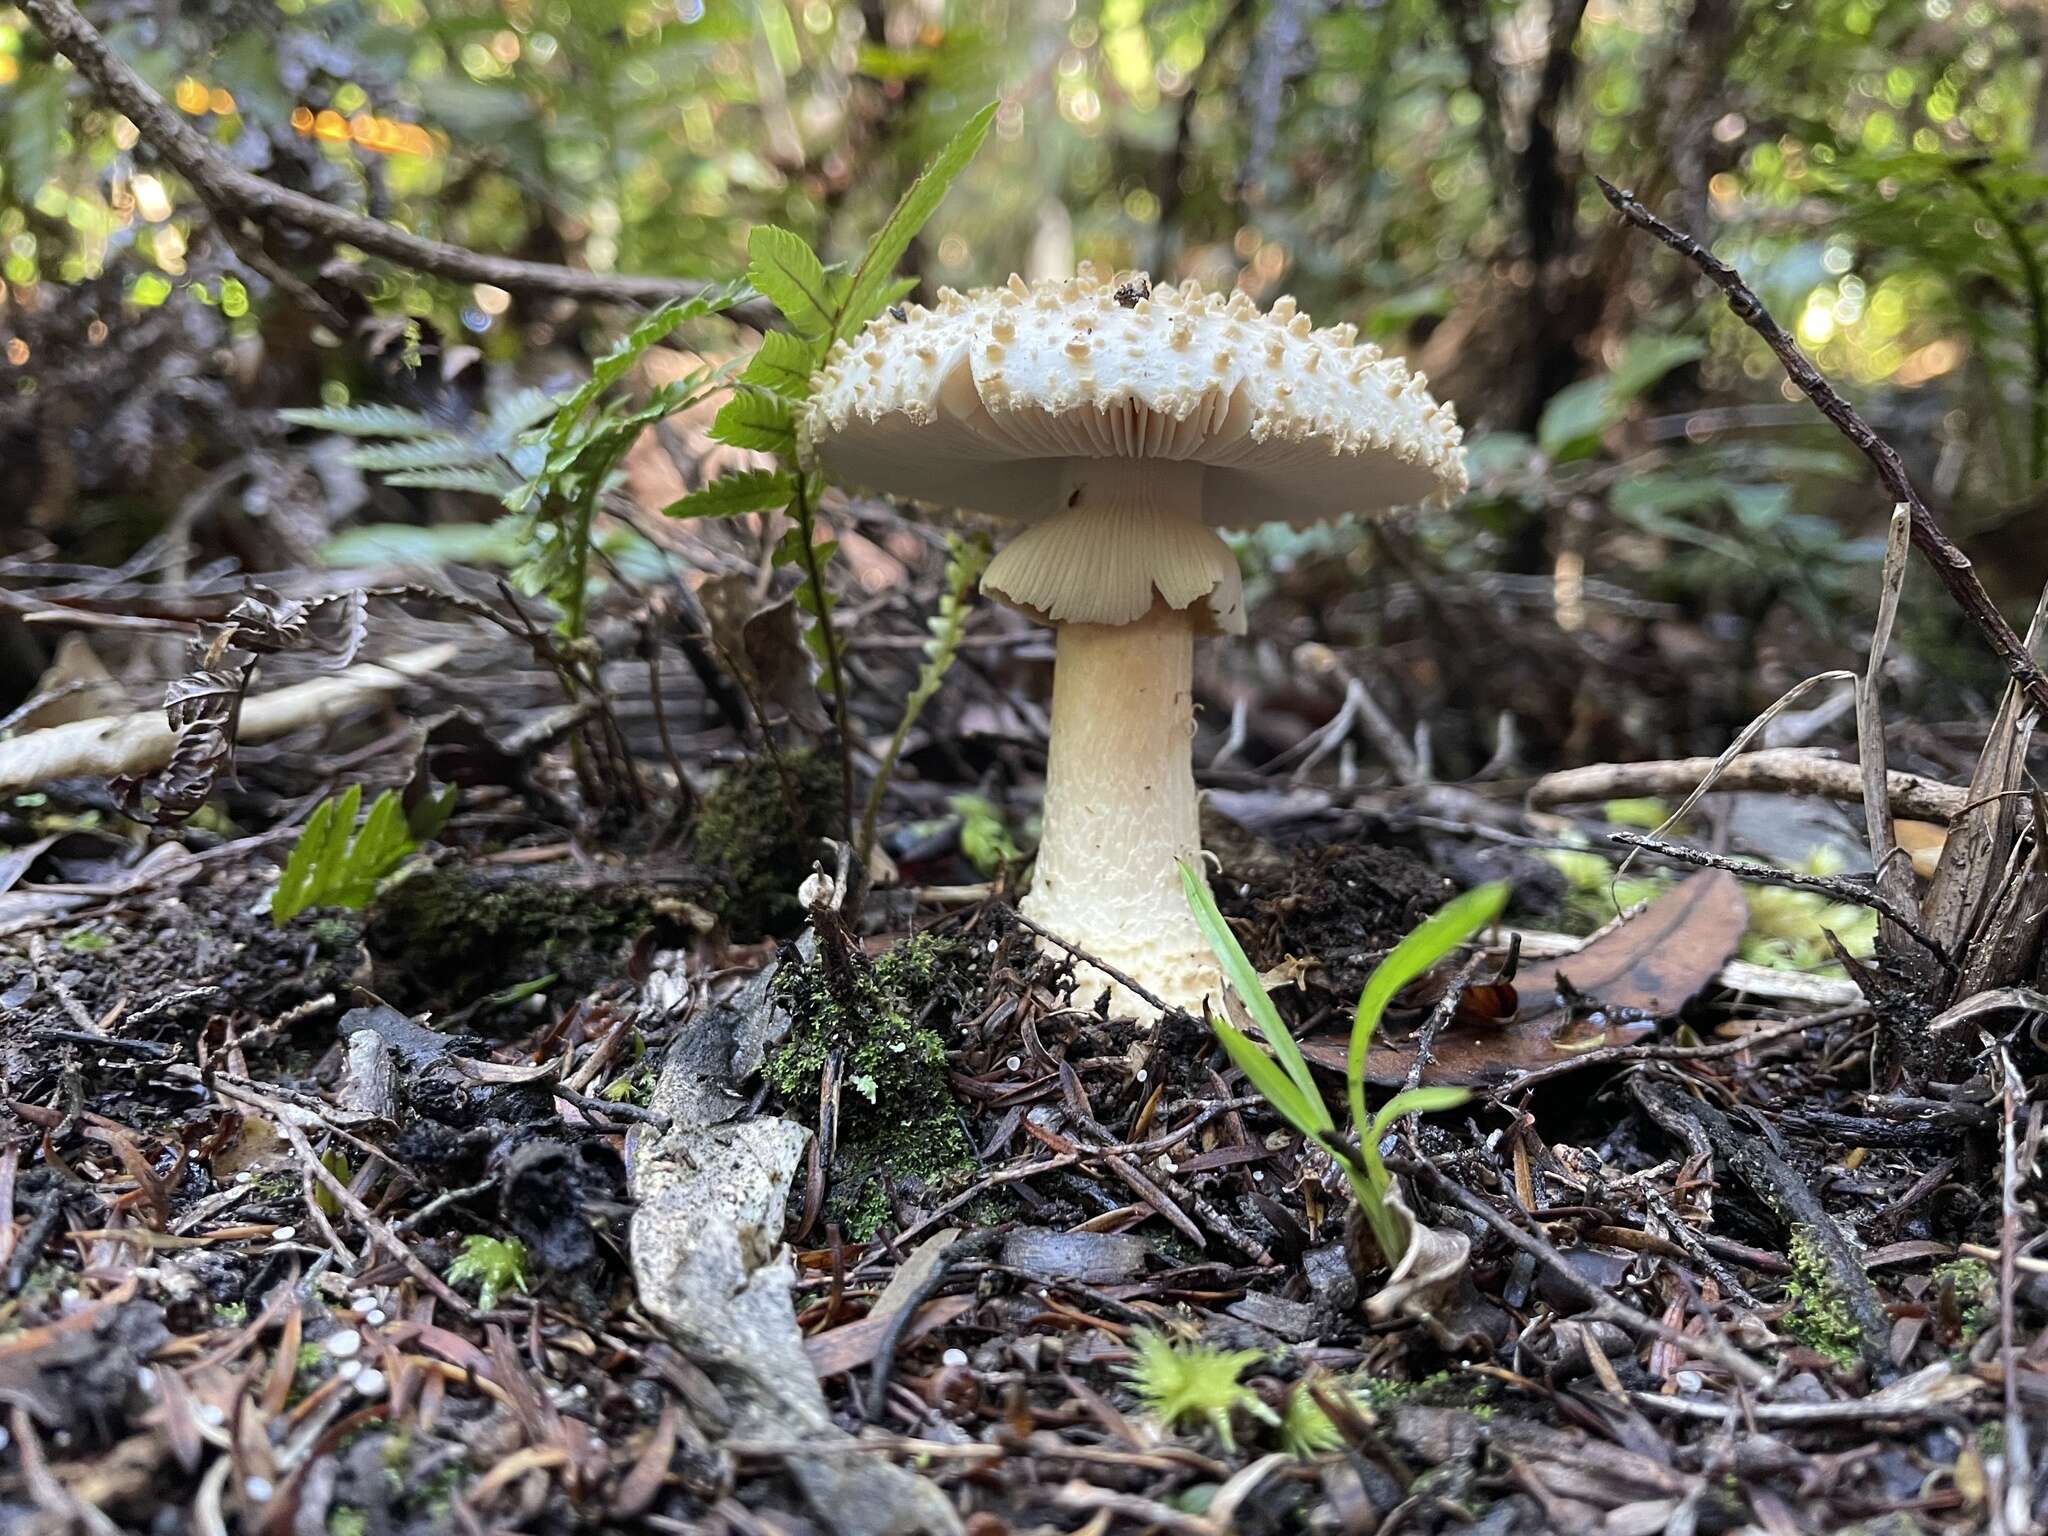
point(1121, 810)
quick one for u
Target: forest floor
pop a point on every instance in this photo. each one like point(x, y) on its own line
point(465, 1211)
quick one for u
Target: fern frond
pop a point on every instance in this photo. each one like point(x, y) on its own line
point(518, 413)
point(755, 419)
point(364, 420)
point(444, 451)
point(335, 864)
point(730, 495)
point(495, 483)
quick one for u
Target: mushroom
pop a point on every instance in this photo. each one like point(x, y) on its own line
point(1123, 424)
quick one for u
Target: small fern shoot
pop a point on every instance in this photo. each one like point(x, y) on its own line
point(966, 559)
point(336, 864)
point(821, 305)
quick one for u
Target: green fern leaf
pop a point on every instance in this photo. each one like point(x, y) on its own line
point(329, 867)
point(747, 490)
point(444, 451)
point(364, 420)
point(518, 412)
point(876, 273)
point(495, 483)
point(612, 367)
point(755, 419)
point(789, 273)
point(783, 366)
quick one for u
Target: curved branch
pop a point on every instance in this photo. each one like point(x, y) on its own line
point(1949, 562)
point(228, 188)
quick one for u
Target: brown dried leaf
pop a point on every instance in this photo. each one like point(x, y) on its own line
point(764, 647)
point(181, 786)
point(205, 698)
point(1980, 842)
point(1645, 970)
point(355, 627)
point(268, 627)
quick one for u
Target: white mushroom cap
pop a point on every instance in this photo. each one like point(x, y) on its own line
point(985, 402)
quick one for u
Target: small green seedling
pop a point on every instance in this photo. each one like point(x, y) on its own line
point(336, 864)
point(1283, 1079)
point(1183, 1384)
point(1306, 1428)
point(496, 1265)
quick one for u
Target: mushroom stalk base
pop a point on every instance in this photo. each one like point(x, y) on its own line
point(1121, 812)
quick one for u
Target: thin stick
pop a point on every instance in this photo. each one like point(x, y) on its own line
point(1949, 562)
point(2016, 1478)
point(1839, 890)
point(1788, 770)
point(384, 1237)
point(1142, 992)
point(229, 188)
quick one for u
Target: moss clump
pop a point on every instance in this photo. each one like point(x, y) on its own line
point(450, 936)
point(898, 1127)
point(1970, 1282)
point(1820, 1317)
point(760, 829)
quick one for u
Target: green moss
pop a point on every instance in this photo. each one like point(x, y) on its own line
point(347, 1520)
point(453, 935)
point(1384, 1391)
point(762, 832)
point(897, 1121)
point(1970, 1280)
point(1820, 1317)
point(332, 934)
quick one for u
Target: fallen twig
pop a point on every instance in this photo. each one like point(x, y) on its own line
point(128, 744)
point(1788, 770)
point(1949, 562)
point(2015, 1479)
point(884, 1365)
point(1610, 1055)
point(1788, 1197)
point(1137, 989)
point(1765, 874)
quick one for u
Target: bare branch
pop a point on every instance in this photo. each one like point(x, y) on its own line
point(1789, 770)
point(1949, 562)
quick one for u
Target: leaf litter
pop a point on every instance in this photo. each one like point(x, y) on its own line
point(653, 1352)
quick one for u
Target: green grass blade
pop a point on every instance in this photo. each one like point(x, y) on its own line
point(1417, 1101)
point(1270, 1081)
point(1244, 980)
point(1438, 935)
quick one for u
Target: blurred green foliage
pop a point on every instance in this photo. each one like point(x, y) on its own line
point(652, 136)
